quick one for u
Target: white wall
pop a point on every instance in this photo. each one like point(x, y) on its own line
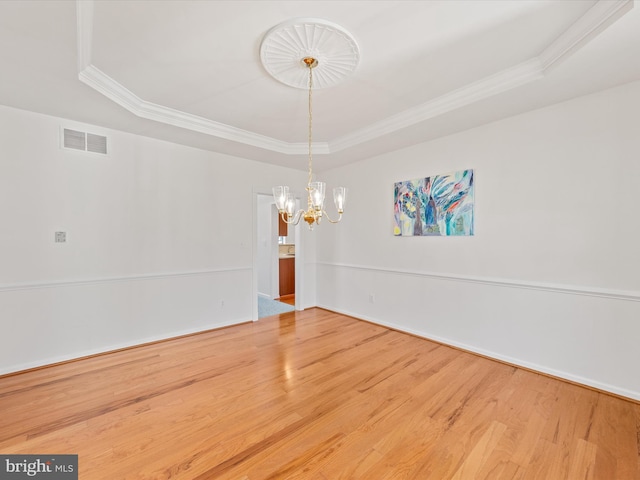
point(154, 249)
point(550, 280)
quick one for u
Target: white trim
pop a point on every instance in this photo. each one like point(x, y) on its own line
point(116, 92)
point(487, 353)
point(597, 18)
point(503, 282)
point(84, 26)
point(126, 278)
point(594, 21)
point(494, 84)
point(299, 265)
point(586, 28)
point(114, 347)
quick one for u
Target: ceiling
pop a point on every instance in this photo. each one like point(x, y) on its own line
point(189, 71)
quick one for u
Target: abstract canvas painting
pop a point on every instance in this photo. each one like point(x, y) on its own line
point(440, 205)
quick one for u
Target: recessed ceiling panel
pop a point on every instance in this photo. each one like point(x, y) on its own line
point(203, 58)
point(190, 72)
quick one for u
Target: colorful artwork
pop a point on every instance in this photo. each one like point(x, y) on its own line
point(441, 205)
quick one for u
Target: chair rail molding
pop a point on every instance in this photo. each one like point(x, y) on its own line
point(124, 278)
point(625, 295)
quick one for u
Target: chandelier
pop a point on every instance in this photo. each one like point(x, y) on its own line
point(287, 50)
point(286, 202)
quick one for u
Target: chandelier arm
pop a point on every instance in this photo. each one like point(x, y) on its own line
point(329, 218)
point(295, 218)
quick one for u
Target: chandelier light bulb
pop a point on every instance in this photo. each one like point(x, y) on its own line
point(316, 191)
point(339, 198)
point(280, 196)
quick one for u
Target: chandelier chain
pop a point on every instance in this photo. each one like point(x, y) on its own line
point(315, 190)
point(310, 122)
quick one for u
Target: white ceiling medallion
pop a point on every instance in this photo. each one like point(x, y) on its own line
point(286, 44)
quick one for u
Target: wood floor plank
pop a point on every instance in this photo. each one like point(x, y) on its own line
point(320, 396)
point(614, 420)
point(481, 451)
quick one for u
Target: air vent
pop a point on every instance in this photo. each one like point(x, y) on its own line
point(96, 143)
point(86, 142)
point(74, 139)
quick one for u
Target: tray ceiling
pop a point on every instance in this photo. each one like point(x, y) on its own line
point(190, 71)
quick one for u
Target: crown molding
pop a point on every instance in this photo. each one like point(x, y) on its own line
point(603, 14)
point(593, 22)
point(84, 31)
point(116, 92)
point(587, 27)
point(487, 87)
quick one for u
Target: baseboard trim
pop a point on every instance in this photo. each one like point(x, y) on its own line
point(514, 362)
point(115, 349)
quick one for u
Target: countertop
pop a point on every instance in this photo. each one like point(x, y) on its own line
point(286, 250)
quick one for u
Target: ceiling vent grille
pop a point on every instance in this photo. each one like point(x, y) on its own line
point(86, 142)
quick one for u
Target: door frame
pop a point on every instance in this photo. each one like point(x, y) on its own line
point(299, 270)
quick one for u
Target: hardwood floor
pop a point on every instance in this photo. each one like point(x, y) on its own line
point(320, 396)
point(288, 299)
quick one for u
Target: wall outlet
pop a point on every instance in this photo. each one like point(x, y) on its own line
point(61, 237)
point(372, 298)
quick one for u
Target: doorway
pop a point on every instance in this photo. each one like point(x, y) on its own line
point(275, 256)
point(286, 260)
